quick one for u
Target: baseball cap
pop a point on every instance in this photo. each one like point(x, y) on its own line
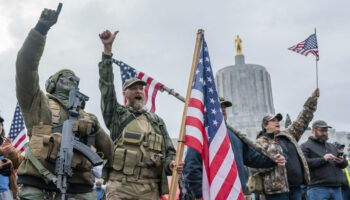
point(320, 124)
point(225, 102)
point(268, 118)
point(128, 83)
point(338, 145)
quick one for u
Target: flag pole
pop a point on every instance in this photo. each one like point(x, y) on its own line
point(173, 93)
point(316, 65)
point(181, 139)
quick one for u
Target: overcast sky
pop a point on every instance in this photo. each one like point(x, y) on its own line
point(158, 37)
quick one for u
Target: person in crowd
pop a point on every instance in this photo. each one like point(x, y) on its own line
point(44, 115)
point(99, 190)
point(5, 168)
point(245, 154)
point(325, 163)
point(284, 183)
point(345, 185)
point(143, 154)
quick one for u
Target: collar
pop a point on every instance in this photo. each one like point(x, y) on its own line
point(269, 135)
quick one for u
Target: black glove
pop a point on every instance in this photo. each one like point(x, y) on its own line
point(47, 19)
point(6, 168)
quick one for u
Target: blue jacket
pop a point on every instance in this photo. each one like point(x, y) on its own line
point(244, 155)
point(4, 181)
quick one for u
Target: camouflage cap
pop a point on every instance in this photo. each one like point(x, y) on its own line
point(320, 124)
point(128, 83)
point(225, 102)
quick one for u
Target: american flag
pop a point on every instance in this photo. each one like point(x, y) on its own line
point(206, 132)
point(151, 89)
point(17, 133)
point(307, 46)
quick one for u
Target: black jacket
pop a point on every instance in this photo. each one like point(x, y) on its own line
point(323, 173)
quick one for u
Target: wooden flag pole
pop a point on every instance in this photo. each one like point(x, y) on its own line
point(181, 140)
point(316, 64)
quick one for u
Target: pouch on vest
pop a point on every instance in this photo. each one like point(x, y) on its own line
point(155, 141)
point(36, 143)
point(118, 159)
point(131, 162)
point(154, 172)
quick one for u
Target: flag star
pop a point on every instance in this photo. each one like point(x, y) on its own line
point(201, 80)
point(197, 71)
point(212, 100)
point(215, 122)
point(207, 59)
point(211, 90)
point(206, 49)
point(213, 111)
point(209, 79)
point(201, 60)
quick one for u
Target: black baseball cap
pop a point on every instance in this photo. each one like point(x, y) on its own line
point(320, 124)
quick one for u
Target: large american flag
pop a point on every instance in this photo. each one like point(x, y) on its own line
point(206, 132)
point(151, 88)
point(17, 133)
point(307, 46)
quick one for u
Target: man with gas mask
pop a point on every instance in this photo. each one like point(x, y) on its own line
point(44, 115)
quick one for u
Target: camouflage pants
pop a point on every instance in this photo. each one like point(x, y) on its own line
point(116, 190)
point(33, 193)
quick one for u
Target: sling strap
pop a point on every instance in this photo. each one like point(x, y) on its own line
point(48, 176)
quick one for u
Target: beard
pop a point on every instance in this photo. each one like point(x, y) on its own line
point(139, 106)
point(322, 138)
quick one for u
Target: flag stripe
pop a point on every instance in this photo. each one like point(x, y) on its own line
point(151, 88)
point(307, 46)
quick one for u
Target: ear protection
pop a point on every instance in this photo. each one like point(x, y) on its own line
point(50, 85)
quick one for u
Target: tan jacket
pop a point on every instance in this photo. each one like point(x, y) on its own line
point(275, 179)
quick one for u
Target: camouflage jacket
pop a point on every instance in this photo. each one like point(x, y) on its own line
point(35, 109)
point(114, 114)
point(275, 179)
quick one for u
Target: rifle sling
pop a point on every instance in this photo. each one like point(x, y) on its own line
point(47, 175)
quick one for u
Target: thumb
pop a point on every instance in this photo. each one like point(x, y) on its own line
point(115, 33)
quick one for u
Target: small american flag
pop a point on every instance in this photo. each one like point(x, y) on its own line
point(18, 131)
point(206, 132)
point(151, 88)
point(307, 46)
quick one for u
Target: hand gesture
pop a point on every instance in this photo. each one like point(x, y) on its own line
point(49, 17)
point(107, 39)
point(7, 147)
point(280, 160)
point(316, 93)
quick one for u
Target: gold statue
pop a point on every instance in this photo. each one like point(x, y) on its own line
point(238, 43)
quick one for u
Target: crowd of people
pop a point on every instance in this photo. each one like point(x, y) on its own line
point(138, 151)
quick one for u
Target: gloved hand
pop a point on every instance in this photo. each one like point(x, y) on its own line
point(5, 167)
point(47, 19)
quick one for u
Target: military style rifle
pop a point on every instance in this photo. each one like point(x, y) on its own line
point(70, 141)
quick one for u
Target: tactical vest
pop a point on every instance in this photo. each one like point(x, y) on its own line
point(45, 140)
point(138, 154)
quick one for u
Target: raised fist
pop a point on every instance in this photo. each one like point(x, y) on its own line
point(47, 19)
point(107, 39)
point(316, 93)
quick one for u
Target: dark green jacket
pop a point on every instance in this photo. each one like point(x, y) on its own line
point(114, 114)
point(35, 109)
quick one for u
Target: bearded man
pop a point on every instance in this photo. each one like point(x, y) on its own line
point(144, 153)
point(324, 163)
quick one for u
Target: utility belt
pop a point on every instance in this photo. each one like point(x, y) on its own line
point(118, 176)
